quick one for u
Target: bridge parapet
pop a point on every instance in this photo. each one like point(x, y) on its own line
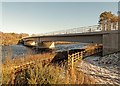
point(85, 29)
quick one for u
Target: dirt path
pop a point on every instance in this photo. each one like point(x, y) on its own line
point(101, 72)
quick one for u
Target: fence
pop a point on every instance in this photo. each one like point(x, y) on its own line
point(73, 58)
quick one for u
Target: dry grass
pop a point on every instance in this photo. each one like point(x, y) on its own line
point(41, 74)
point(11, 38)
point(9, 65)
point(77, 77)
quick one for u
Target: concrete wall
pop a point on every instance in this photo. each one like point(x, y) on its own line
point(110, 43)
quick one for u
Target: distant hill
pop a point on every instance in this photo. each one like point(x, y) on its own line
point(11, 38)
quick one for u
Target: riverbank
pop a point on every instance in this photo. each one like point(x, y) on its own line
point(91, 70)
point(40, 72)
point(11, 38)
point(105, 70)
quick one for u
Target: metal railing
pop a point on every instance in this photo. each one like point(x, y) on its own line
point(93, 28)
point(74, 30)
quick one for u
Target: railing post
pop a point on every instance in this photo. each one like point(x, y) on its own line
point(72, 71)
point(78, 56)
point(69, 60)
point(81, 54)
point(72, 62)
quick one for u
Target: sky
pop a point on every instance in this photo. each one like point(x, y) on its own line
point(42, 17)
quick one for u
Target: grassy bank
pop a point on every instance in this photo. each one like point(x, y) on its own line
point(37, 69)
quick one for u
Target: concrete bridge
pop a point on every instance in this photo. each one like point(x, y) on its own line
point(109, 40)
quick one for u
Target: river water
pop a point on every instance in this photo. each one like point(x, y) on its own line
point(14, 51)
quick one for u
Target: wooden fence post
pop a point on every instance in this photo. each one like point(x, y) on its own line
point(72, 62)
point(81, 55)
point(72, 71)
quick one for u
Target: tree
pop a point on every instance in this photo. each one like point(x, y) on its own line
point(114, 22)
point(107, 20)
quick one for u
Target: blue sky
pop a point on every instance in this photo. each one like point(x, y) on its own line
point(42, 17)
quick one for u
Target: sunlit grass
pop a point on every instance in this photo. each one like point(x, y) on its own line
point(41, 71)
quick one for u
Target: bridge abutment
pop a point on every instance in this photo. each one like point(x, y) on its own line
point(111, 42)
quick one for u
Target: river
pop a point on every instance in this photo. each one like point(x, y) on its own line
point(14, 51)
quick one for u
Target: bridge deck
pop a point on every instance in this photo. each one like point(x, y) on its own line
point(74, 34)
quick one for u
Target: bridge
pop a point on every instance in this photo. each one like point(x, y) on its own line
point(109, 39)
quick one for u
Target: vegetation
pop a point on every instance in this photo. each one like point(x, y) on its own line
point(11, 38)
point(108, 21)
point(39, 73)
